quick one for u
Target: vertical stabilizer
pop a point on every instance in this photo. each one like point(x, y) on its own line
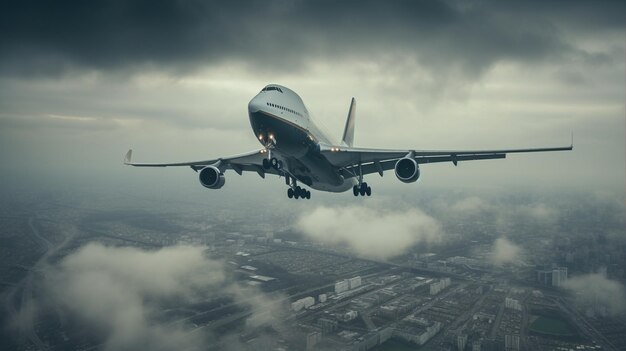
point(348, 132)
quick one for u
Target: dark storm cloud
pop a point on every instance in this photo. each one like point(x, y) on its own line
point(53, 37)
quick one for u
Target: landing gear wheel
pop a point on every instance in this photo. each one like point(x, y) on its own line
point(308, 195)
point(274, 162)
point(290, 193)
point(266, 164)
point(368, 191)
point(279, 165)
point(355, 190)
point(363, 189)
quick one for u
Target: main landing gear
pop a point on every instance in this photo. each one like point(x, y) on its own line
point(273, 163)
point(294, 191)
point(362, 190)
point(298, 192)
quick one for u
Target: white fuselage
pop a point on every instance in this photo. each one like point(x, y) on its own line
point(282, 123)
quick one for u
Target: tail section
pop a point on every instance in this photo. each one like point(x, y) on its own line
point(348, 132)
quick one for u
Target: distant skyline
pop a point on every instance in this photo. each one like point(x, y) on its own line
point(81, 82)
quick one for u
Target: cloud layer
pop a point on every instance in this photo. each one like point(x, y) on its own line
point(373, 233)
point(597, 290)
point(117, 293)
point(47, 37)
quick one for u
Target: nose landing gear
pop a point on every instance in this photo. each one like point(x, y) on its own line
point(272, 163)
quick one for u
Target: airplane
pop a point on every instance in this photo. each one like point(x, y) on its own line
point(296, 149)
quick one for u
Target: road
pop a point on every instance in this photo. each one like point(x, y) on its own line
point(584, 325)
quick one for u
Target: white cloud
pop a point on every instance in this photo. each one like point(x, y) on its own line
point(597, 289)
point(370, 232)
point(118, 292)
point(504, 251)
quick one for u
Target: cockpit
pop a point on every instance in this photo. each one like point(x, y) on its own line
point(269, 88)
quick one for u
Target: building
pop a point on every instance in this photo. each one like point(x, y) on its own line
point(385, 334)
point(354, 282)
point(544, 277)
point(308, 301)
point(476, 345)
point(322, 298)
point(511, 342)
point(297, 305)
point(262, 278)
point(461, 341)
point(554, 276)
point(559, 276)
point(302, 303)
point(418, 333)
point(342, 286)
point(327, 325)
point(312, 339)
point(437, 287)
point(512, 304)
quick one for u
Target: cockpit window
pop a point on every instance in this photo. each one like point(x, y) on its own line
point(272, 88)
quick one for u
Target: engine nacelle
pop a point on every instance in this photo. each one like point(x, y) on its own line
point(211, 177)
point(407, 170)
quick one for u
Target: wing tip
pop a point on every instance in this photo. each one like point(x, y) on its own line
point(128, 157)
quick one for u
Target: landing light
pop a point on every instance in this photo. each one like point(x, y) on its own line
point(260, 136)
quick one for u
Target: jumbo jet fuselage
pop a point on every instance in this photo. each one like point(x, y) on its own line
point(282, 124)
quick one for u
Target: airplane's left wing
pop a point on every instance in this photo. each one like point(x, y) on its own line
point(251, 161)
point(351, 159)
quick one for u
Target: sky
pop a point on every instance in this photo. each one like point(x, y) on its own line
point(81, 82)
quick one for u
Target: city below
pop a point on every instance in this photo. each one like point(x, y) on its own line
point(279, 289)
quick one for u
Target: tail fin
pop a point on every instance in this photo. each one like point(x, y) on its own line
point(348, 132)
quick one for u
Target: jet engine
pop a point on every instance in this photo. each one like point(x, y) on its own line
point(407, 170)
point(211, 177)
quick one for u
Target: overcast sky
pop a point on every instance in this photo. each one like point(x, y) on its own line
point(83, 81)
